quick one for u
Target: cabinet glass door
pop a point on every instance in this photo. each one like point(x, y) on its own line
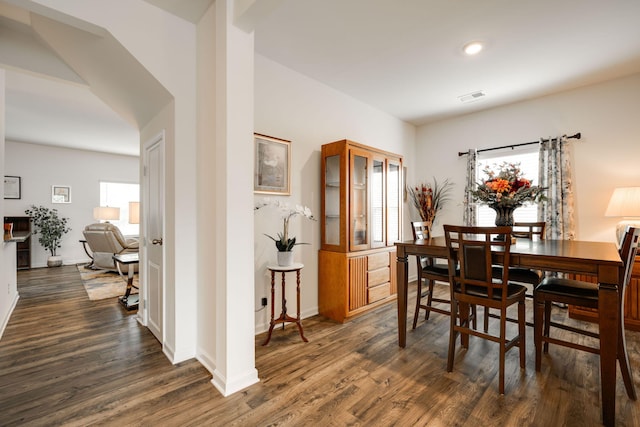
point(358, 205)
point(377, 203)
point(332, 200)
point(394, 202)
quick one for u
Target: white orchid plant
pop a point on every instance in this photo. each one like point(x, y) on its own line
point(283, 242)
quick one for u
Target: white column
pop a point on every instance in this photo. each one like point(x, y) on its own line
point(231, 166)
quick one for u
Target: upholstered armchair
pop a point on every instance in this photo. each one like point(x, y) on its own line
point(105, 240)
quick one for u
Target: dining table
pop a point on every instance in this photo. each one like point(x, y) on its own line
point(600, 259)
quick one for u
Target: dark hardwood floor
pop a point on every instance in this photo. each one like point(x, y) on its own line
point(65, 360)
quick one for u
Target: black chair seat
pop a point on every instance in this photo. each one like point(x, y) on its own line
point(513, 290)
point(520, 275)
point(569, 288)
point(439, 269)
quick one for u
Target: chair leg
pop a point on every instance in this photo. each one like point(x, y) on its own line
point(486, 320)
point(503, 339)
point(474, 317)
point(625, 368)
point(538, 320)
point(430, 284)
point(522, 332)
point(452, 334)
point(418, 298)
point(464, 323)
point(547, 324)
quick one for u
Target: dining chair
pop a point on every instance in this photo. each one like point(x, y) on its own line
point(430, 271)
point(529, 231)
point(471, 250)
point(584, 294)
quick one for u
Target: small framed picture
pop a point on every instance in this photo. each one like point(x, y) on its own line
point(12, 187)
point(60, 194)
point(272, 165)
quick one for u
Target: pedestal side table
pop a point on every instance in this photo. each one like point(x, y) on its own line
point(128, 300)
point(284, 317)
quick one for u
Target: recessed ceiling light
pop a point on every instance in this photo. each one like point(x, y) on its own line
point(472, 48)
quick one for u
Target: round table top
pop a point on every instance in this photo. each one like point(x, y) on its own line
point(293, 267)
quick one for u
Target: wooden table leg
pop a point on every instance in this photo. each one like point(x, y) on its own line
point(609, 318)
point(403, 289)
point(283, 315)
point(298, 321)
point(272, 323)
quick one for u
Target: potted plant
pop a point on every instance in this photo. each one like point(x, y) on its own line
point(284, 243)
point(50, 228)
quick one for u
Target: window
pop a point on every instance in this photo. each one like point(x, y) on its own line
point(118, 195)
point(528, 159)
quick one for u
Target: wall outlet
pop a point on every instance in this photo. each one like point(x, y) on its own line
point(264, 302)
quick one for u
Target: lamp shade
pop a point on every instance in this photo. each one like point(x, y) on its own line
point(134, 212)
point(625, 202)
point(106, 213)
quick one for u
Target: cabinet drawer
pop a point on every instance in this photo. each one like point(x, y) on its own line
point(378, 276)
point(376, 261)
point(379, 292)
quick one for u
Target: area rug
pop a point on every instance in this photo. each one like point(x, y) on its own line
point(101, 284)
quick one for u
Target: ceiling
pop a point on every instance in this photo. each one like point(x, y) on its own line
point(402, 57)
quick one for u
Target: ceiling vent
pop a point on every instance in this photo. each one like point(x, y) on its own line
point(471, 97)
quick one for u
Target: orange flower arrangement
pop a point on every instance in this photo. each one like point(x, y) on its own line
point(507, 188)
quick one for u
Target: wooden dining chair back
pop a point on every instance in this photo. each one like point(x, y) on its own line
point(529, 230)
point(430, 271)
point(530, 277)
point(471, 249)
point(584, 294)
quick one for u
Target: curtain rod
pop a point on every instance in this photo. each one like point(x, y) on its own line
point(463, 153)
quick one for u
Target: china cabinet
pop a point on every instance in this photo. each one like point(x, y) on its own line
point(361, 216)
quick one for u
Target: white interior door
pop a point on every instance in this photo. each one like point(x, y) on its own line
point(154, 232)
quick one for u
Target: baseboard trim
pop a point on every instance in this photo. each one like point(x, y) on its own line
point(6, 319)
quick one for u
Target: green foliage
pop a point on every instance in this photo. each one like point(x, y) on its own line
point(283, 244)
point(49, 226)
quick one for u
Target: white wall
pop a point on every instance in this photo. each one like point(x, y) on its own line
point(41, 166)
point(606, 157)
point(9, 297)
point(291, 106)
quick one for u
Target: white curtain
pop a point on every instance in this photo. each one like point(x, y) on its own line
point(555, 175)
point(469, 216)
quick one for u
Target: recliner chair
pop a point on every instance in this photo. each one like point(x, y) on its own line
point(105, 240)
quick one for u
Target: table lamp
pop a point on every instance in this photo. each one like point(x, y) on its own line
point(105, 213)
point(134, 212)
point(625, 203)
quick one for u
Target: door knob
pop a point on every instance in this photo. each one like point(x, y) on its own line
point(157, 241)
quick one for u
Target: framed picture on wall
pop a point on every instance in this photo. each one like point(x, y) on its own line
point(12, 187)
point(272, 165)
point(60, 194)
